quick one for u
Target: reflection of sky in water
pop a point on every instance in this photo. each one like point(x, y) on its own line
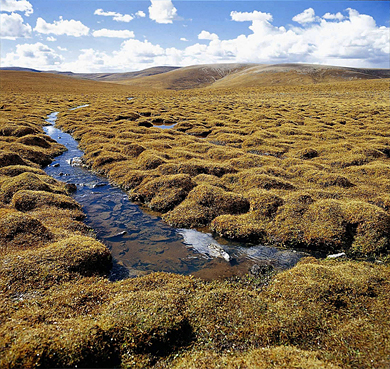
point(140, 242)
point(80, 106)
point(162, 126)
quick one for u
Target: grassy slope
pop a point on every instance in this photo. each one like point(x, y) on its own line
point(252, 75)
point(58, 310)
point(186, 78)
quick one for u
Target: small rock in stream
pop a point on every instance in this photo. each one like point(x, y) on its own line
point(261, 269)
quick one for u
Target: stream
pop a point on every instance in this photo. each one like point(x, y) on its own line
point(141, 242)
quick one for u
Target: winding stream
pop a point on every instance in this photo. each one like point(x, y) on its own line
point(141, 243)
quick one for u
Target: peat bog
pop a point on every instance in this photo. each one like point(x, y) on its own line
point(284, 166)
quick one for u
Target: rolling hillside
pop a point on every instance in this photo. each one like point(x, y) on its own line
point(223, 75)
point(195, 76)
point(252, 75)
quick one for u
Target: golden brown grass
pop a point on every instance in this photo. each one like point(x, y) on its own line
point(302, 166)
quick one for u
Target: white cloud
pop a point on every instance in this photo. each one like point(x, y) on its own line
point(12, 26)
point(51, 39)
point(204, 35)
point(307, 16)
point(355, 41)
point(16, 6)
point(183, 39)
point(140, 14)
point(162, 11)
point(62, 48)
point(118, 17)
point(35, 55)
point(62, 27)
point(253, 16)
point(113, 33)
point(330, 16)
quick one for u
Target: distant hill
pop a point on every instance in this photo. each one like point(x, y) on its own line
point(103, 77)
point(18, 69)
point(226, 75)
point(48, 83)
point(195, 76)
point(114, 77)
point(296, 74)
point(252, 75)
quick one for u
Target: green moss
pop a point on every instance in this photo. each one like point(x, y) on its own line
point(26, 200)
point(61, 261)
point(18, 230)
point(164, 193)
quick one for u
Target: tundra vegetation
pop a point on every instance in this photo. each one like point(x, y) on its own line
point(302, 166)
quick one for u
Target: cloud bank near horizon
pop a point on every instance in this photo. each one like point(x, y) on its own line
point(350, 39)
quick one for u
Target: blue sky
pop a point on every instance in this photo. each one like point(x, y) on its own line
point(119, 36)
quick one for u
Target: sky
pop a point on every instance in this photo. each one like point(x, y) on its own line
point(98, 36)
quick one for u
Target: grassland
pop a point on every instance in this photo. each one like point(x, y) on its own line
point(303, 166)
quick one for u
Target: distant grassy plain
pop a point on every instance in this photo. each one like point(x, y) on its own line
point(304, 166)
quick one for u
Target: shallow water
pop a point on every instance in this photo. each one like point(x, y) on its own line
point(140, 242)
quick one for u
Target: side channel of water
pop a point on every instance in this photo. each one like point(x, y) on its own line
point(141, 243)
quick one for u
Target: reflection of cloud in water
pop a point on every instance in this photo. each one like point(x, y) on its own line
point(278, 257)
point(80, 106)
point(204, 243)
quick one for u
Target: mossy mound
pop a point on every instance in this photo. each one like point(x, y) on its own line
point(262, 358)
point(34, 140)
point(133, 150)
point(28, 181)
point(15, 170)
point(164, 193)
point(10, 158)
point(203, 204)
point(61, 261)
point(158, 328)
point(246, 227)
point(149, 159)
point(26, 200)
point(18, 230)
point(18, 130)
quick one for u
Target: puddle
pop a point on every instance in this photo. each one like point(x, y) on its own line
point(141, 243)
point(79, 107)
point(163, 126)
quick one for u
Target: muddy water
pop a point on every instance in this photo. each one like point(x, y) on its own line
point(141, 242)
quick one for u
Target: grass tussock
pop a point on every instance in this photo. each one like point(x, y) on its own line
point(209, 200)
point(259, 164)
point(19, 230)
point(61, 261)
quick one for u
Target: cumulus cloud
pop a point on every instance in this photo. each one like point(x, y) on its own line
point(356, 41)
point(204, 35)
point(183, 39)
point(140, 14)
point(253, 16)
point(12, 26)
point(330, 16)
point(162, 11)
point(118, 17)
point(307, 16)
point(16, 6)
point(62, 48)
point(62, 27)
point(35, 55)
point(51, 39)
point(113, 33)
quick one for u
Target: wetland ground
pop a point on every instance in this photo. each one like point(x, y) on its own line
point(299, 166)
